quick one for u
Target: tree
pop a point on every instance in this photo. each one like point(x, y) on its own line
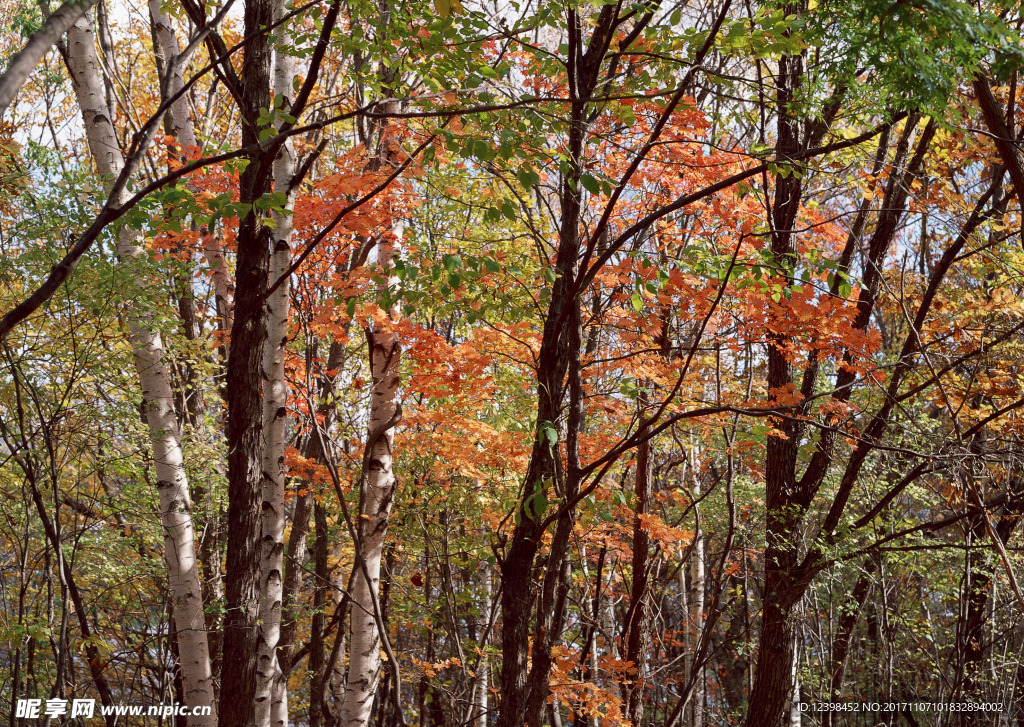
point(147, 347)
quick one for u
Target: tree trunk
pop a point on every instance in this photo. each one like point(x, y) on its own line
point(334, 671)
point(524, 694)
point(794, 698)
point(972, 637)
point(696, 610)
point(734, 679)
point(773, 682)
point(316, 636)
point(178, 123)
point(788, 568)
point(223, 287)
point(245, 390)
point(147, 347)
point(271, 685)
point(479, 694)
point(1002, 133)
point(639, 614)
point(376, 496)
point(24, 61)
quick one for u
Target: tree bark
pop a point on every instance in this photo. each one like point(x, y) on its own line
point(376, 496)
point(147, 347)
point(479, 694)
point(25, 60)
point(1003, 135)
point(560, 345)
point(316, 636)
point(271, 686)
point(972, 638)
point(223, 286)
point(696, 610)
point(639, 613)
point(377, 480)
point(791, 558)
point(773, 683)
point(178, 123)
point(245, 390)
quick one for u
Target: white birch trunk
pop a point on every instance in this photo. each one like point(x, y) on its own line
point(376, 496)
point(147, 346)
point(24, 61)
point(223, 287)
point(697, 583)
point(271, 684)
point(479, 701)
point(177, 120)
point(480, 693)
point(179, 124)
point(795, 716)
point(336, 679)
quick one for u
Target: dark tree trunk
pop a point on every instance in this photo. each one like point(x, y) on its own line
point(245, 391)
point(973, 639)
point(639, 614)
point(734, 682)
point(561, 345)
point(783, 525)
point(318, 674)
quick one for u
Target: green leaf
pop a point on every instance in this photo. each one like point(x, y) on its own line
point(590, 184)
point(548, 433)
point(536, 503)
point(483, 151)
point(528, 178)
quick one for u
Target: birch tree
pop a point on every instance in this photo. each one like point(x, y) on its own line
point(25, 60)
point(271, 688)
point(377, 479)
point(147, 346)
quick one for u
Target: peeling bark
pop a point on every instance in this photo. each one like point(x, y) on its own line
point(147, 347)
point(25, 60)
point(376, 497)
point(178, 123)
point(271, 684)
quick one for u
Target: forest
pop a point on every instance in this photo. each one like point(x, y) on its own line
point(511, 363)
